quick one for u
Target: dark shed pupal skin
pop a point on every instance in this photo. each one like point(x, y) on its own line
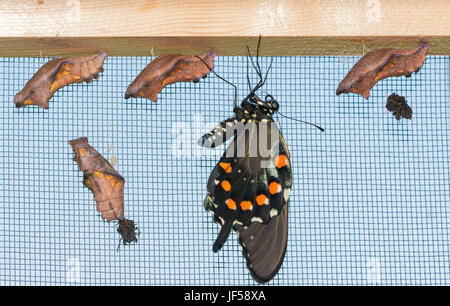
point(246, 196)
point(106, 184)
point(398, 106)
point(56, 74)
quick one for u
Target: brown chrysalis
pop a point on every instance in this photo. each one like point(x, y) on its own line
point(168, 69)
point(106, 184)
point(56, 74)
point(398, 106)
point(381, 64)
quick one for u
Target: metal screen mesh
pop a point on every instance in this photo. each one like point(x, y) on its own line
point(369, 202)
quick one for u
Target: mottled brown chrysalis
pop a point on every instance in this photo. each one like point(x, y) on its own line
point(56, 74)
point(106, 184)
point(168, 69)
point(381, 64)
point(398, 106)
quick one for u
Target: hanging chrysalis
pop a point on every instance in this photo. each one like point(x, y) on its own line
point(248, 189)
point(380, 64)
point(56, 74)
point(168, 69)
point(107, 186)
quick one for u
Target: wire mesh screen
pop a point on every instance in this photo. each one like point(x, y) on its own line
point(369, 203)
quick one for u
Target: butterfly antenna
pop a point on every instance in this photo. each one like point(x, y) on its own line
point(257, 67)
point(268, 69)
point(223, 79)
point(258, 72)
point(315, 125)
point(248, 77)
point(257, 55)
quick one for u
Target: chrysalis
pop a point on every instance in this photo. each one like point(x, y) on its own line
point(380, 64)
point(107, 186)
point(56, 74)
point(168, 69)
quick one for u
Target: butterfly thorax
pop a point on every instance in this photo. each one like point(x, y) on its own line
point(253, 108)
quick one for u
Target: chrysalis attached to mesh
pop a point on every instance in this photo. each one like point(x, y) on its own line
point(106, 184)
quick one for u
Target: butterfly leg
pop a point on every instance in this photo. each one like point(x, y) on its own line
point(221, 133)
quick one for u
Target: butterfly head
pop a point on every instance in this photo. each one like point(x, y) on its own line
point(253, 107)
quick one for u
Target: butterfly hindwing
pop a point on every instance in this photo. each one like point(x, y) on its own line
point(264, 245)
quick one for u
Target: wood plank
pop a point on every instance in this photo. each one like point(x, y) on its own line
point(125, 27)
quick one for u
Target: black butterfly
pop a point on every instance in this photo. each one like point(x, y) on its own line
point(248, 190)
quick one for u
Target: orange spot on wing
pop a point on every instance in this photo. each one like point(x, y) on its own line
point(274, 188)
point(231, 204)
point(226, 185)
point(226, 166)
point(27, 102)
point(280, 161)
point(246, 205)
point(261, 200)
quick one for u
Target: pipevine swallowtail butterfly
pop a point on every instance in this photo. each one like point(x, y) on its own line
point(248, 189)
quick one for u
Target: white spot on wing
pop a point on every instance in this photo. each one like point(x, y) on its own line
point(221, 220)
point(257, 219)
point(286, 194)
point(273, 212)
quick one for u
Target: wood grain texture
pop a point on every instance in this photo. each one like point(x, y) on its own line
point(125, 27)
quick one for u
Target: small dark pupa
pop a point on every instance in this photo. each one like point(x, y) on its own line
point(128, 231)
point(398, 106)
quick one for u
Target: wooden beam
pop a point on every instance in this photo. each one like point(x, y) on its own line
point(303, 27)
